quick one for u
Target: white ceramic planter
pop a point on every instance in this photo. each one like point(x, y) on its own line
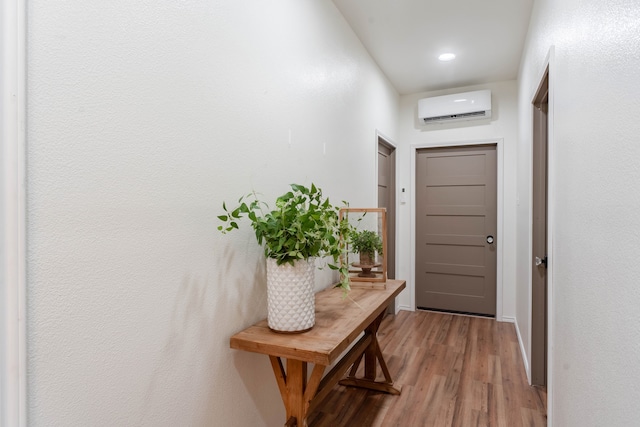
point(290, 298)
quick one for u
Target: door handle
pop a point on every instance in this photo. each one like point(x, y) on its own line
point(490, 240)
point(541, 261)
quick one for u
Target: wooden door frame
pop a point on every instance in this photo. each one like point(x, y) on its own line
point(498, 142)
point(381, 139)
point(548, 67)
point(13, 214)
point(539, 172)
point(391, 144)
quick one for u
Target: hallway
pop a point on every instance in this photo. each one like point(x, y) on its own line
point(126, 125)
point(453, 370)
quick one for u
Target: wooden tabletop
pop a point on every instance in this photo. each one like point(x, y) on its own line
point(339, 321)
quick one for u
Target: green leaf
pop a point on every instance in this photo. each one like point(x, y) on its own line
point(303, 224)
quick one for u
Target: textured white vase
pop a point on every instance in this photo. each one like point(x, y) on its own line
point(291, 302)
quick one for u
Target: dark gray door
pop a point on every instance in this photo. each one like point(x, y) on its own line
point(539, 243)
point(456, 206)
point(387, 199)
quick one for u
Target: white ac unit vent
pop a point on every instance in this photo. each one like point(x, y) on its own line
point(460, 106)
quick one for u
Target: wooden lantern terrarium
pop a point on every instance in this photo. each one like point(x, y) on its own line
point(367, 246)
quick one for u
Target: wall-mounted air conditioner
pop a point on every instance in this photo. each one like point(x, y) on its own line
point(460, 106)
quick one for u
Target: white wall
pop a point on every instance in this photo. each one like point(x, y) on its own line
point(12, 214)
point(595, 185)
point(142, 118)
point(503, 124)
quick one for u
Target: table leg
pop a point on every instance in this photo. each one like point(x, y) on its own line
point(296, 383)
point(372, 354)
point(296, 391)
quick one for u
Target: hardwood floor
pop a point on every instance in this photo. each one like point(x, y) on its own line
point(454, 371)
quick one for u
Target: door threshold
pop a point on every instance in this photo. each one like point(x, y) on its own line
point(457, 313)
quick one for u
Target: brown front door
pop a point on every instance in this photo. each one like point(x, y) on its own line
point(456, 227)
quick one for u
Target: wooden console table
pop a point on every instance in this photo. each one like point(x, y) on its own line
point(339, 322)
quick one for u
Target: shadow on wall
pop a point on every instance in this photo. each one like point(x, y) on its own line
point(260, 383)
point(238, 304)
point(196, 361)
point(186, 324)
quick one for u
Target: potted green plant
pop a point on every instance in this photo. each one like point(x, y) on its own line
point(303, 226)
point(367, 243)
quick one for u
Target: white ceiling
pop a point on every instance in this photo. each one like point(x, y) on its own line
point(405, 38)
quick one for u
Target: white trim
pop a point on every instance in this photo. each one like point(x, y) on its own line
point(500, 228)
point(405, 307)
point(387, 140)
point(525, 360)
point(380, 135)
point(12, 202)
point(499, 142)
point(551, 210)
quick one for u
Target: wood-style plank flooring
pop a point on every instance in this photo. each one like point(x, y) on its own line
point(454, 371)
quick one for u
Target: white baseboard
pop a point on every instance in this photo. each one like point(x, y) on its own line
point(405, 308)
point(523, 353)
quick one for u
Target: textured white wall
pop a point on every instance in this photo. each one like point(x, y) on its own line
point(595, 326)
point(12, 214)
point(142, 118)
point(503, 124)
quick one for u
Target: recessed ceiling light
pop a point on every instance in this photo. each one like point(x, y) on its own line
point(447, 57)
